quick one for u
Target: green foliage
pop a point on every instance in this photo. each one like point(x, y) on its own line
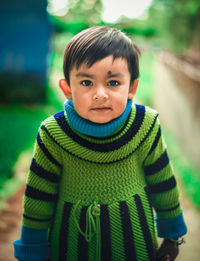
point(18, 131)
point(135, 27)
point(87, 11)
point(171, 24)
point(81, 14)
point(187, 173)
point(176, 22)
point(145, 89)
point(62, 25)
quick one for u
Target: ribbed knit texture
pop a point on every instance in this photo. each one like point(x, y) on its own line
point(125, 173)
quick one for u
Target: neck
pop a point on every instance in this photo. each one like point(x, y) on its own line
point(89, 128)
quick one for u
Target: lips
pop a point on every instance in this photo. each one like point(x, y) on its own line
point(101, 109)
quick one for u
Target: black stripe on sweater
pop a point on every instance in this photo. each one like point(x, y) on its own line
point(106, 250)
point(148, 194)
point(110, 162)
point(36, 219)
point(64, 230)
point(40, 195)
point(157, 166)
point(105, 147)
point(167, 209)
point(82, 243)
point(145, 229)
point(155, 143)
point(43, 173)
point(46, 152)
point(163, 186)
point(129, 246)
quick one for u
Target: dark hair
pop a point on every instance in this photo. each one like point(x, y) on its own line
point(95, 43)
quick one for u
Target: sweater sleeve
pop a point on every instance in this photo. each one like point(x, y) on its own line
point(39, 199)
point(163, 188)
point(42, 182)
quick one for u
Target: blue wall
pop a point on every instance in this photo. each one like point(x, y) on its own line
point(25, 36)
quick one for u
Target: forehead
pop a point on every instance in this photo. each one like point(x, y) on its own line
point(106, 64)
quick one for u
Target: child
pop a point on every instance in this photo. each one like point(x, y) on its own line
point(100, 165)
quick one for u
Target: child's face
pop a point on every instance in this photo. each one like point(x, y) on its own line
point(100, 93)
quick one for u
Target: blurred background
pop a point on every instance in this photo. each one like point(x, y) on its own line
point(33, 37)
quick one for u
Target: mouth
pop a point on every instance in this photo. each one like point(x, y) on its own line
point(101, 109)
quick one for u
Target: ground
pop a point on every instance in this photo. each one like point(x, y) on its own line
point(10, 219)
point(10, 225)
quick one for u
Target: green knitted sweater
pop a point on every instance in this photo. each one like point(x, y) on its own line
point(96, 194)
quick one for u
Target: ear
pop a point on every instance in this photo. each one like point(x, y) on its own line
point(65, 88)
point(133, 89)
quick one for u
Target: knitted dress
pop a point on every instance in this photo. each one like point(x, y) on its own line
point(95, 195)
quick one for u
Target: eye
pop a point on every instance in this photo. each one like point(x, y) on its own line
point(113, 83)
point(86, 83)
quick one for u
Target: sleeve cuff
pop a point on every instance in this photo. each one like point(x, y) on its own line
point(30, 252)
point(171, 228)
point(33, 245)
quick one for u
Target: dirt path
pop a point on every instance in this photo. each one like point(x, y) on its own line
point(10, 219)
point(191, 250)
point(10, 229)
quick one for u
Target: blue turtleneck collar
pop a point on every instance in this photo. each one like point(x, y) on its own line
point(89, 128)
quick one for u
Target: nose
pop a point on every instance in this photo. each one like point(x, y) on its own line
point(100, 93)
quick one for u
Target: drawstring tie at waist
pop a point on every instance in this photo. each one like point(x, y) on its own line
point(92, 226)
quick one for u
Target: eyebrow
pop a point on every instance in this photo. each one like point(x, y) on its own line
point(82, 74)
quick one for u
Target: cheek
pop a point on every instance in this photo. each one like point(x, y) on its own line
point(120, 105)
point(80, 104)
point(124, 99)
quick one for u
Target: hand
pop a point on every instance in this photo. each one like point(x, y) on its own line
point(168, 251)
point(165, 258)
